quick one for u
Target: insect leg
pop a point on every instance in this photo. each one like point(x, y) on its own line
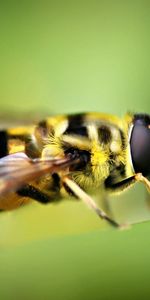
point(34, 193)
point(124, 184)
point(121, 185)
point(105, 201)
point(88, 201)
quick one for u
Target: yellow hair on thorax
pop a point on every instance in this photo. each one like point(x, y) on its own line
point(99, 155)
point(99, 161)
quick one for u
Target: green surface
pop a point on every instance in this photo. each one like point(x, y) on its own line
point(67, 56)
point(110, 265)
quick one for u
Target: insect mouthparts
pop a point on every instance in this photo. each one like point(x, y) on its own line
point(82, 156)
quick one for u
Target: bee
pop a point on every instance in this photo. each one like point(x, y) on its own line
point(74, 155)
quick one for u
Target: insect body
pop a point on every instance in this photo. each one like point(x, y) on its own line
point(73, 155)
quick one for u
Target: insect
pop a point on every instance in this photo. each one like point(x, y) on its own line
point(74, 155)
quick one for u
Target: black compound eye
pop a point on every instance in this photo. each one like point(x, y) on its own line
point(140, 148)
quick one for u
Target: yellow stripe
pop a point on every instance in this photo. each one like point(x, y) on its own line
point(21, 130)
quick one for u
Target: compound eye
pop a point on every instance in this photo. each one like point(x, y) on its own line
point(140, 148)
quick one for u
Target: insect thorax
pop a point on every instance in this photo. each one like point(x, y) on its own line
point(98, 139)
point(101, 145)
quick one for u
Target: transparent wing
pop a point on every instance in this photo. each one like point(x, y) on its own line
point(17, 169)
point(9, 120)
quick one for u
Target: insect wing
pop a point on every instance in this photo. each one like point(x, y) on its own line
point(17, 169)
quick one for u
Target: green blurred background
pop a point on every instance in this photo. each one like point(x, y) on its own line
point(61, 57)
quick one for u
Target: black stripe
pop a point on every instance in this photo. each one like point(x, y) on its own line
point(75, 120)
point(3, 143)
point(75, 125)
point(42, 126)
point(123, 140)
point(56, 182)
point(121, 185)
point(21, 137)
point(104, 134)
point(81, 130)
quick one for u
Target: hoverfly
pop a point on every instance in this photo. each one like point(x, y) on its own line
point(72, 155)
